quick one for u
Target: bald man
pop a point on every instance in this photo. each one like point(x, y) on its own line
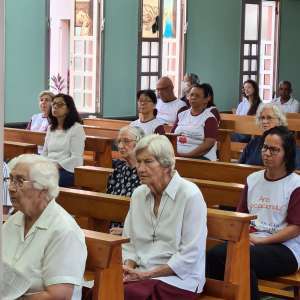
point(167, 103)
point(285, 101)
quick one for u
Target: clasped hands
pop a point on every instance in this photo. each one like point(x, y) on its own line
point(131, 274)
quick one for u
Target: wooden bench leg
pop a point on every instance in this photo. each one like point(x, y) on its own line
point(296, 293)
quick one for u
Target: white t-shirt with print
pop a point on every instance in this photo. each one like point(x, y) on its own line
point(167, 111)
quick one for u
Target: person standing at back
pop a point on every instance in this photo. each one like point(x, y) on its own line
point(167, 103)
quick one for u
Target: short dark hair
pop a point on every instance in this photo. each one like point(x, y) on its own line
point(288, 144)
point(256, 99)
point(194, 78)
point(71, 118)
point(208, 92)
point(149, 93)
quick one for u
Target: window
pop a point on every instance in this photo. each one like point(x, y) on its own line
point(259, 45)
point(161, 42)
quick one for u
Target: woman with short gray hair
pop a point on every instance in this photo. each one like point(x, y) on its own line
point(166, 212)
point(124, 178)
point(268, 115)
point(41, 233)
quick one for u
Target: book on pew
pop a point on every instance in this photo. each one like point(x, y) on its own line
point(14, 283)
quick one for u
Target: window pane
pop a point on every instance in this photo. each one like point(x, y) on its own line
point(245, 77)
point(145, 48)
point(145, 65)
point(267, 64)
point(268, 49)
point(251, 21)
point(267, 94)
point(267, 79)
point(153, 82)
point(150, 19)
point(89, 47)
point(88, 100)
point(246, 49)
point(253, 65)
point(88, 83)
point(154, 48)
point(77, 82)
point(84, 18)
point(78, 64)
point(253, 77)
point(88, 64)
point(144, 82)
point(254, 50)
point(77, 99)
point(154, 65)
point(246, 65)
point(78, 47)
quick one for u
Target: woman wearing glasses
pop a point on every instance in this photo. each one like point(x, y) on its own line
point(146, 100)
point(124, 178)
point(273, 195)
point(267, 117)
point(65, 138)
point(197, 126)
point(39, 236)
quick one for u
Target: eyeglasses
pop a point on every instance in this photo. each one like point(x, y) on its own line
point(267, 118)
point(58, 104)
point(17, 181)
point(124, 141)
point(273, 150)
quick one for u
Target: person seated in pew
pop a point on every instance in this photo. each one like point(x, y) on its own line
point(197, 126)
point(166, 224)
point(248, 106)
point(43, 242)
point(65, 138)
point(189, 80)
point(124, 179)
point(147, 120)
point(167, 103)
point(39, 122)
point(285, 101)
point(273, 195)
point(268, 116)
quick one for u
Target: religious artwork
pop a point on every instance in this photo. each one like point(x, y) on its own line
point(84, 18)
point(150, 19)
point(169, 19)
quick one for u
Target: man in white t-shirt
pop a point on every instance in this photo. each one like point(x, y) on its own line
point(167, 103)
point(285, 101)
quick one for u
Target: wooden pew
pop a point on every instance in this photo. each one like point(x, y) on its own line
point(106, 123)
point(216, 171)
point(13, 149)
point(100, 146)
point(225, 226)
point(105, 262)
point(214, 192)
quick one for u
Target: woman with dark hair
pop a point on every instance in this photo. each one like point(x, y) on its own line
point(147, 120)
point(251, 100)
point(248, 106)
point(64, 142)
point(197, 126)
point(273, 195)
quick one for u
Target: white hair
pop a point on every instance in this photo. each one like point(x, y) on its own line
point(160, 147)
point(42, 172)
point(135, 131)
point(277, 113)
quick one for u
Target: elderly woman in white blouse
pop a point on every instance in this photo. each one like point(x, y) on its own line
point(166, 225)
point(42, 241)
point(65, 138)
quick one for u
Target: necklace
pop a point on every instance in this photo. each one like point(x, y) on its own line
point(153, 235)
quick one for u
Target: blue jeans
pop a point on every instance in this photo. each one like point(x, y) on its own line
point(66, 178)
